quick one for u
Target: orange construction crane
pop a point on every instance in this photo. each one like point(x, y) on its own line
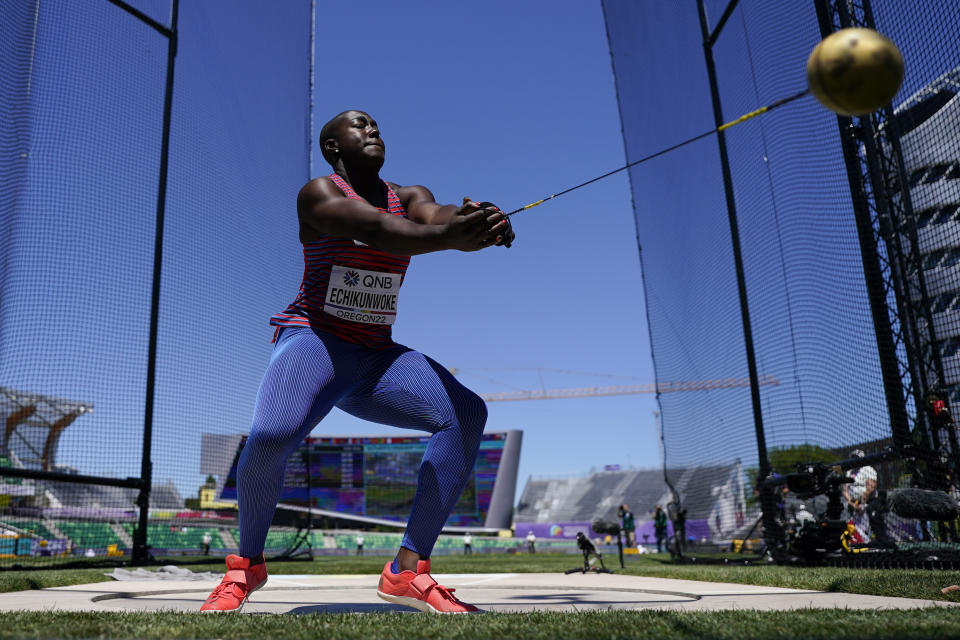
point(621, 390)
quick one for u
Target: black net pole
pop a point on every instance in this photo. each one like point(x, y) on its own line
point(141, 550)
point(892, 135)
point(771, 527)
point(889, 224)
point(872, 270)
point(928, 362)
point(717, 30)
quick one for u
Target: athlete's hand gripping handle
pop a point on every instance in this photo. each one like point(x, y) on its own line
point(474, 228)
point(507, 237)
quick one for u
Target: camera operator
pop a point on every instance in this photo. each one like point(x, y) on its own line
point(680, 528)
point(627, 524)
point(660, 527)
point(857, 494)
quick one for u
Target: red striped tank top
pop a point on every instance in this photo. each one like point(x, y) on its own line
point(348, 288)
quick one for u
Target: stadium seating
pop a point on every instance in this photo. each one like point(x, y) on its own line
point(578, 499)
point(162, 496)
point(91, 535)
point(370, 540)
point(177, 538)
point(277, 539)
point(585, 499)
point(34, 526)
point(13, 546)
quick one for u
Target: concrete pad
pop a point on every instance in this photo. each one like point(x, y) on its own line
point(499, 592)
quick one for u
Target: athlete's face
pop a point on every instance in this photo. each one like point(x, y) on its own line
point(359, 139)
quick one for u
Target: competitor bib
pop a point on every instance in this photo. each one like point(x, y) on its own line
point(362, 296)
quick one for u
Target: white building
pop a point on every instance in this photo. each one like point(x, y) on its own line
point(930, 138)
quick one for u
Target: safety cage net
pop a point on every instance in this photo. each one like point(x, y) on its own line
point(816, 256)
point(122, 358)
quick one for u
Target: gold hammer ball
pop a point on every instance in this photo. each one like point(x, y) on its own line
point(855, 71)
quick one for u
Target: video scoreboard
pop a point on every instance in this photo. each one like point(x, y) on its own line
point(376, 477)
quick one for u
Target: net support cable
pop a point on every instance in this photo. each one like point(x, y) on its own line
point(719, 129)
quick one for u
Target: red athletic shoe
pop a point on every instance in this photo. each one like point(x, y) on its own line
point(240, 581)
point(420, 591)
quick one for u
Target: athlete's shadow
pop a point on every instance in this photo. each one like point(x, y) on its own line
point(354, 607)
point(589, 599)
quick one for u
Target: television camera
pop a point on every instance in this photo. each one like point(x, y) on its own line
point(585, 546)
point(607, 527)
point(826, 532)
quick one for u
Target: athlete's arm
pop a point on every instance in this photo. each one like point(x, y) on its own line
point(421, 207)
point(323, 207)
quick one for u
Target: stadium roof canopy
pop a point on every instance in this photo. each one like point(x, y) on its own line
point(33, 424)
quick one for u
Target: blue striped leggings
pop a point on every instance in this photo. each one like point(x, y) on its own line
point(309, 373)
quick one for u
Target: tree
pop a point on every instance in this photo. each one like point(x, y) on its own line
point(784, 460)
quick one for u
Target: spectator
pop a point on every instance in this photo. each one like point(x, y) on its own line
point(531, 540)
point(628, 525)
point(360, 545)
point(863, 489)
point(467, 545)
point(848, 499)
point(857, 494)
point(660, 527)
point(207, 539)
point(680, 528)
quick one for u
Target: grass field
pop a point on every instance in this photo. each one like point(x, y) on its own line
point(833, 624)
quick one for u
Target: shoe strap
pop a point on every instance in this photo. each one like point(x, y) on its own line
point(239, 576)
point(423, 583)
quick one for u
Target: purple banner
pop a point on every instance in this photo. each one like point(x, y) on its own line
point(696, 530)
point(553, 531)
point(49, 547)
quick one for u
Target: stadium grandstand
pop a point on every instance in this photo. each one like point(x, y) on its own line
point(714, 497)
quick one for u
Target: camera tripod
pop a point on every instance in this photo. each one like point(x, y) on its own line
point(586, 562)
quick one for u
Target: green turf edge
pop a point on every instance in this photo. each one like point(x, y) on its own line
point(904, 583)
point(832, 624)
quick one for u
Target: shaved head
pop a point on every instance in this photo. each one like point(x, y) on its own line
point(329, 132)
